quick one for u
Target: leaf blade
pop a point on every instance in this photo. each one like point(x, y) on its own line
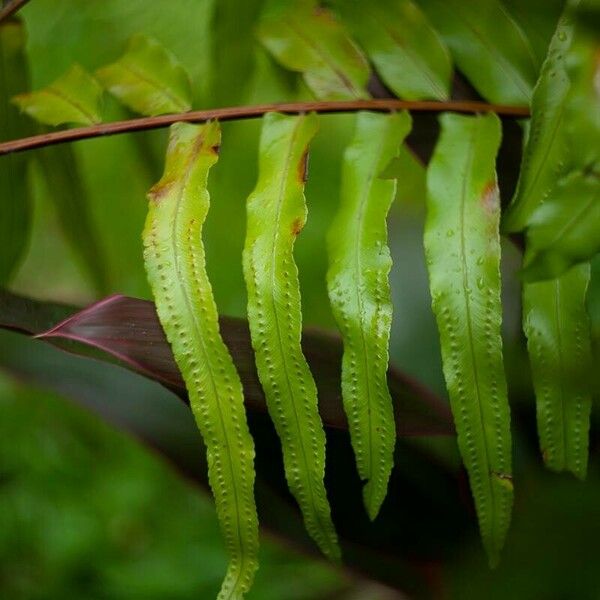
point(175, 262)
point(148, 79)
point(557, 327)
point(464, 273)
point(310, 41)
point(360, 296)
point(562, 210)
point(72, 98)
point(544, 153)
point(487, 46)
point(276, 213)
point(538, 19)
point(406, 51)
point(563, 231)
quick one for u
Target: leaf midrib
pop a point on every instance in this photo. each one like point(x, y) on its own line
point(280, 197)
point(162, 89)
point(561, 370)
point(542, 163)
point(330, 63)
point(465, 285)
point(53, 91)
point(359, 298)
point(504, 64)
point(572, 222)
point(421, 64)
point(178, 206)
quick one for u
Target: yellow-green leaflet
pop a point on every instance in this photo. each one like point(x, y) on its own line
point(148, 79)
point(276, 214)
point(462, 245)
point(559, 342)
point(72, 98)
point(359, 290)
point(175, 262)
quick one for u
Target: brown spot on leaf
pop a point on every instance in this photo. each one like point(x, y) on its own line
point(297, 226)
point(160, 190)
point(216, 148)
point(303, 168)
point(490, 197)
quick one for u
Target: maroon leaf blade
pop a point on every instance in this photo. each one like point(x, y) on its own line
point(127, 330)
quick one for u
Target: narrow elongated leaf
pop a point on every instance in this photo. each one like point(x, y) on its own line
point(65, 189)
point(544, 153)
point(128, 330)
point(175, 262)
point(359, 290)
point(558, 338)
point(565, 229)
point(463, 256)
point(72, 98)
point(148, 79)
point(407, 52)
point(276, 215)
point(487, 46)
point(310, 41)
point(538, 19)
point(15, 197)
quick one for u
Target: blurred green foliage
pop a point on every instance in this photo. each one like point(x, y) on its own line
point(87, 513)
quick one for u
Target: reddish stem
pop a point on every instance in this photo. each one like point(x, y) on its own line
point(250, 112)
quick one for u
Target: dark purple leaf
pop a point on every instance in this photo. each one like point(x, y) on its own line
point(127, 330)
point(30, 316)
